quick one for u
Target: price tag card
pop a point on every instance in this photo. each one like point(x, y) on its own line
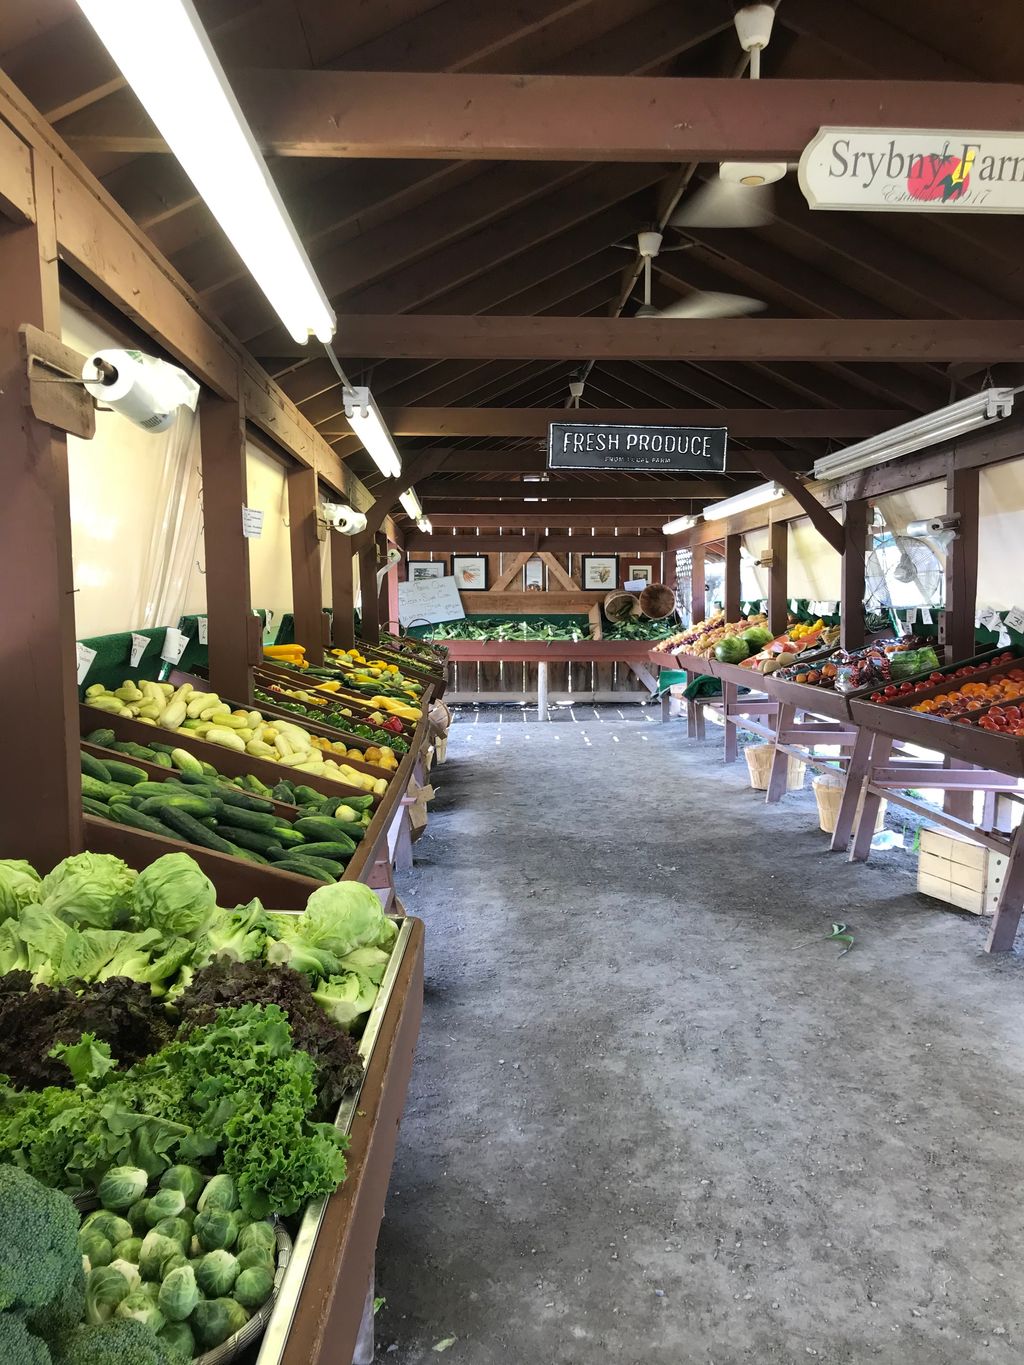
point(84, 657)
point(204, 630)
point(794, 605)
point(252, 523)
point(1014, 620)
point(904, 625)
point(139, 643)
point(926, 616)
point(1003, 638)
point(174, 645)
point(991, 619)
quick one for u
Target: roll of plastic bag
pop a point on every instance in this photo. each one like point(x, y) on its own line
point(146, 390)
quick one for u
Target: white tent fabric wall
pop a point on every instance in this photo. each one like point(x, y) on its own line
point(174, 550)
point(270, 573)
point(1001, 536)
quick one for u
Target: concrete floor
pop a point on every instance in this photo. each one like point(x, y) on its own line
point(655, 1118)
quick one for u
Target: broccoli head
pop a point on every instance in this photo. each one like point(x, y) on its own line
point(63, 1314)
point(39, 1256)
point(121, 1341)
point(18, 1346)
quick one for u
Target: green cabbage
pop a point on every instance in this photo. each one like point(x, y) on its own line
point(164, 1204)
point(214, 1320)
point(221, 1192)
point(109, 1225)
point(216, 1273)
point(178, 1294)
point(155, 1250)
point(186, 1179)
point(178, 1338)
point(174, 895)
point(120, 1188)
point(128, 1250)
point(105, 1288)
point(346, 998)
point(216, 1229)
point(343, 917)
point(93, 890)
point(140, 1306)
point(254, 1286)
point(96, 1247)
point(19, 886)
point(260, 1236)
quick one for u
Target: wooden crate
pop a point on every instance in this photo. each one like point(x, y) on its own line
point(961, 873)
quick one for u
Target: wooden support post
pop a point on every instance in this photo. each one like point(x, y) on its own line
point(307, 593)
point(957, 629)
point(228, 609)
point(383, 601)
point(851, 605)
point(732, 578)
point(730, 692)
point(778, 577)
point(43, 822)
point(1008, 908)
point(343, 604)
point(778, 778)
point(856, 772)
point(864, 829)
point(698, 585)
point(369, 629)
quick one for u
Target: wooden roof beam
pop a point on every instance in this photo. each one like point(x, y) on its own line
point(617, 488)
point(558, 118)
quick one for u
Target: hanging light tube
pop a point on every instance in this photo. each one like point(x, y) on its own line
point(671, 528)
point(423, 524)
point(744, 502)
point(411, 504)
point(363, 416)
point(164, 54)
point(979, 410)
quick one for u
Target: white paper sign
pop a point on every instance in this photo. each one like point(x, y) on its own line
point(990, 618)
point(204, 628)
point(1014, 620)
point(636, 585)
point(84, 657)
point(794, 605)
point(252, 523)
point(1003, 639)
point(431, 600)
point(139, 643)
point(174, 645)
point(269, 614)
point(926, 616)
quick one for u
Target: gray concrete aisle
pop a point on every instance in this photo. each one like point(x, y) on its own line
point(654, 1117)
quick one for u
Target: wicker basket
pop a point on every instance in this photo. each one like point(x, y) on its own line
point(759, 763)
point(828, 792)
point(620, 606)
point(657, 601)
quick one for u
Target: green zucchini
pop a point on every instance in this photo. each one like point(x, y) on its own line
point(338, 850)
point(247, 819)
point(318, 827)
point(126, 814)
point(250, 838)
point(305, 870)
point(187, 827)
point(92, 807)
point(198, 806)
point(94, 768)
point(104, 738)
point(126, 772)
point(231, 796)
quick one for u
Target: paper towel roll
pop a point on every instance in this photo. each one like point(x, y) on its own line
point(144, 389)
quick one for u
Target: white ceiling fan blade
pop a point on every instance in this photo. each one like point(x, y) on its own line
point(707, 304)
point(722, 204)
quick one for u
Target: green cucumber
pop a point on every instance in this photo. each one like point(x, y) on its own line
point(306, 796)
point(250, 838)
point(338, 850)
point(161, 760)
point(247, 819)
point(318, 827)
point(355, 832)
point(187, 827)
point(92, 807)
point(99, 791)
point(287, 835)
point(250, 855)
point(197, 806)
point(126, 773)
point(92, 767)
point(358, 802)
point(284, 791)
point(104, 738)
point(231, 796)
point(126, 814)
point(315, 874)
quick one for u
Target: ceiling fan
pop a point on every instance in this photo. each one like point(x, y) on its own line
point(741, 195)
point(699, 304)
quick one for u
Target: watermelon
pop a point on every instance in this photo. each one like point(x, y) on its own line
point(756, 637)
point(732, 650)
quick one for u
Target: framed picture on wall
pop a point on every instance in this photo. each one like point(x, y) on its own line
point(600, 572)
point(470, 572)
point(534, 574)
point(421, 569)
point(638, 573)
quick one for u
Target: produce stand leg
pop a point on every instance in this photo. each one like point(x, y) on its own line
point(865, 832)
point(365, 1344)
point(958, 803)
point(542, 691)
point(694, 718)
point(779, 775)
point(855, 774)
point(666, 706)
point(1011, 899)
point(732, 737)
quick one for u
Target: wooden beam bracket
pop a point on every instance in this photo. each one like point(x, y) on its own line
point(56, 393)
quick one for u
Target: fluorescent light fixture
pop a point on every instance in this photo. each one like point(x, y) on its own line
point(411, 504)
point(165, 56)
point(680, 524)
point(423, 524)
point(980, 410)
point(744, 502)
point(363, 416)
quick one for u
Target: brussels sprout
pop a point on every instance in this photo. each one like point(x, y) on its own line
point(131, 1273)
point(141, 1307)
point(258, 1235)
point(220, 1193)
point(178, 1294)
point(186, 1179)
point(178, 1338)
point(195, 1249)
point(105, 1287)
point(216, 1228)
point(128, 1250)
point(165, 1204)
point(109, 1225)
point(253, 1287)
point(217, 1273)
point(136, 1215)
point(254, 1256)
point(121, 1186)
point(177, 1229)
point(188, 1217)
point(94, 1245)
point(150, 1288)
point(173, 1263)
point(214, 1320)
point(155, 1250)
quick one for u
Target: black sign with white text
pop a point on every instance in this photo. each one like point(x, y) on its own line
point(593, 445)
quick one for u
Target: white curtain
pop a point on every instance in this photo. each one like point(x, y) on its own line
point(174, 554)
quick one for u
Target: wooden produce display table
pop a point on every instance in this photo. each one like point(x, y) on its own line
point(635, 654)
point(973, 760)
point(807, 716)
point(755, 711)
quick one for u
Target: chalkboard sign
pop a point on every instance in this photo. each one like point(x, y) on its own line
point(597, 445)
point(429, 599)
